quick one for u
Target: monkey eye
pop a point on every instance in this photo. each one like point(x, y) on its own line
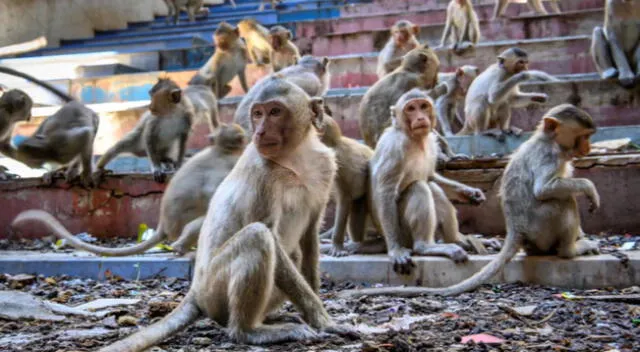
point(411, 108)
point(257, 113)
point(423, 106)
point(274, 111)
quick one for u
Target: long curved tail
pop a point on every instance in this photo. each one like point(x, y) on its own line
point(67, 98)
point(41, 216)
point(186, 313)
point(511, 247)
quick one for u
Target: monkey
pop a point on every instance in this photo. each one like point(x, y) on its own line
point(284, 53)
point(403, 40)
point(200, 91)
point(534, 5)
point(230, 59)
point(259, 241)
point(184, 202)
point(193, 7)
point(419, 69)
point(257, 39)
point(490, 97)
point(64, 138)
point(274, 4)
point(615, 49)
point(538, 198)
point(455, 88)
point(461, 27)
point(350, 186)
point(15, 106)
point(164, 126)
point(310, 73)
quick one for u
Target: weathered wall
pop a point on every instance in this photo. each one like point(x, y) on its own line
point(22, 20)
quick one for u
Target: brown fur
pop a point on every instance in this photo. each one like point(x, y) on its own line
point(461, 27)
point(402, 40)
point(284, 53)
point(193, 7)
point(535, 5)
point(257, 39)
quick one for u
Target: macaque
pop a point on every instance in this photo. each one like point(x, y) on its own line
point(419, 69)
point(284, 53)
point(64, 138)
point(538, 198)
point(461, 27)
point(165, 126)
point(616, 47)
point(403, 40)
point(184, 202)
point(534, 5)
point(257, 39)
point(274, 4)
point(496, 90)
point(310, 73)
point(205, 105)
point(229, 60)
point(15, 106)
point(193, 7)
point(456, 87)
point(350, 186)
point(259, 242)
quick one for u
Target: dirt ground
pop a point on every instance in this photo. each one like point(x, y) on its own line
point(527, 318)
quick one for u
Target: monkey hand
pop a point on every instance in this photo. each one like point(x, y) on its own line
point(594, 198)
point(492, 242)
point(472, 195)
point(159, 176)
point(402, 263)
point(540, 98)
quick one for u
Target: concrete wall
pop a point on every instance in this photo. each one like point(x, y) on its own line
point(22, 20)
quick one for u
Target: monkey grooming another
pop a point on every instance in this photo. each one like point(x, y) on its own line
point(535, 6)
point(310, 73)
point(166, 125)
point(259, 242)
point(200, 92)
point(419, 69)
point(616, 47)
point(490, 97)
point(193, 7)
point(538, 200)
point(184, 202)
point(229, 60)
point(257, 39)
point(403, 40)
point(284, 53)
point(461, 27)
point(64, 138)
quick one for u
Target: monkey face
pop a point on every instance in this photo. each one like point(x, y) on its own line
point(572, 137)
point(401, 36)
point(163, 100)
point(17, 105)
point(276, 41)
point(418, 117)
point(271, 123)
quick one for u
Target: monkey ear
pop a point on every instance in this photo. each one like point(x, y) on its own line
point(416, 29)
point(289, 35)
point(317, 109)
point(176, 95)
point(459, 72)
point(325, 62)
point(550, 124)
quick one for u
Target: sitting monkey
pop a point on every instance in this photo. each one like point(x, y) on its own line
point(538, 198)
point(616, 47)
point(166, 125)
point(461, 27)
point(184, 202)
point(490, 97)
point(193, 7)
point(403, 39)
point(284, 53)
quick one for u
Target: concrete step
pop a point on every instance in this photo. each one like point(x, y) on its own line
point(124, 201)
point(589, 272)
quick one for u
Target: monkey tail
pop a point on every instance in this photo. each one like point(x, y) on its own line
point(60, 231)
point(511, 247)
point(186, 313)
point(67, 98)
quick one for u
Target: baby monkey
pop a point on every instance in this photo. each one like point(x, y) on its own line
point(461, 27)
point(403, 39)
point(538, 196)
point(284, 52)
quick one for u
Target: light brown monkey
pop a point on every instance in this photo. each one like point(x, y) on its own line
point(403, 39)
point(184, 203)
point(64, 138)
point(229, 60)
point(419, 69)
point(350, 186)
point(461, 27)
point(259, 242)
point(311, 74)
point(402, 203)
point(538, 199)
point(496, 90)
point(616, 47)
point(257, 39)
point(284, 53)
point(455, 91)
point(160, 130)
point(534, 5)
point(193, 7)
point(205, 105)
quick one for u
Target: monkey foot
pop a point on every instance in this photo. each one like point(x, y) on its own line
point(627, 82)
point(402, 263)
point(98, 176)
point(586, 247)
point(514, 131)
point(159, 176)
point(338, 251)
point(49, 177)
point(449, 250)
point(327, 235)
